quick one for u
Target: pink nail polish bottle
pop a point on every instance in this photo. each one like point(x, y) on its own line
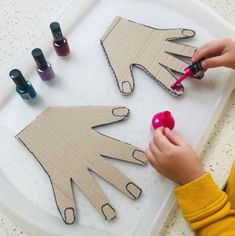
point(60, 43)
point(164, 119)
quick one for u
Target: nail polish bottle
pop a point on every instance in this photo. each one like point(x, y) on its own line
point(44, 68)
point(60, 43)
point(23, 88)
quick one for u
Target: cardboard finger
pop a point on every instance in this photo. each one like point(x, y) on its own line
point(116, 149)
point(64, 142)
point(175, 34)
point(127, 44)
point(169, 74)
point(175, 64)
point(64, 200)
point(117, 179)
point(93, 192)
point(180, 49)
point(108, 115)
point(124, 77)
point(162, 72)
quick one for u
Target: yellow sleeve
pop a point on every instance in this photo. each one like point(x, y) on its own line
point(230, 188)
point(206, 207)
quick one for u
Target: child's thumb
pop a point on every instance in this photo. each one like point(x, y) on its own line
point(173, 137)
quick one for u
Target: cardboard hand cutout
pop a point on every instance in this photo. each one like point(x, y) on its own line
point(127, 43)
point(63, 140)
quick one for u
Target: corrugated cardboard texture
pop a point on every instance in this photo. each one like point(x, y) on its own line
point(127, 43)
point(64, 142)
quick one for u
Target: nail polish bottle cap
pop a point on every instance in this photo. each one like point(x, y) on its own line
point(164, 119)
point(56, 32)
point(39, 58)
point(196, 67)
point(18, 78)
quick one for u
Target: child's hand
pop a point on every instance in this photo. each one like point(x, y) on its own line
point(216, 53)
point(173, 158)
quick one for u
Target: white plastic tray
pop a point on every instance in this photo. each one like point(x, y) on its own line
point(86, 79)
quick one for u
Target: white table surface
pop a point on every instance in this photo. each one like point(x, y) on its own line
point(23, 21)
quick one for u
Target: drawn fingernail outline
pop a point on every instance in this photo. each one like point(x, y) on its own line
point(107, 207)
point(121, 111)
point(126, 88)
point(69, 215)
point(139, 157)
point(129, 190)
point(188, 33)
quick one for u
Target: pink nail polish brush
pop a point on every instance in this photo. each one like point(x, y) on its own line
point(190, 71)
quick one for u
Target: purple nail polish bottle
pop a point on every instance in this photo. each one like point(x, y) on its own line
point(44, 68)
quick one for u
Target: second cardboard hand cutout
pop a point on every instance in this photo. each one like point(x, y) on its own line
point(64, 142)
point(127, 43)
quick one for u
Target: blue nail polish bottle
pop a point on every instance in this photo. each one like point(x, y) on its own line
point(23, 88)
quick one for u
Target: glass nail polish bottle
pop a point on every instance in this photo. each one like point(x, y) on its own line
point(60, 43)
point(23, 88)
point(44, 68)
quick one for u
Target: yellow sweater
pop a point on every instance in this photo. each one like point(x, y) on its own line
point(209, 210)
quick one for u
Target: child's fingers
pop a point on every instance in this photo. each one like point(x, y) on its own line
point(156, 152)
point(197, 54)
point(151, 158)
point(160, 140)
point(210, 48)
point(214, 62)
point(173, 137)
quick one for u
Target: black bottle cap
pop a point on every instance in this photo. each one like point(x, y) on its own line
point(196, 67)
point(56, 32)
point(18, 78)
point(39, 58)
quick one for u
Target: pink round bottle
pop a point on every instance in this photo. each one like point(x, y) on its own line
point(164, 119)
